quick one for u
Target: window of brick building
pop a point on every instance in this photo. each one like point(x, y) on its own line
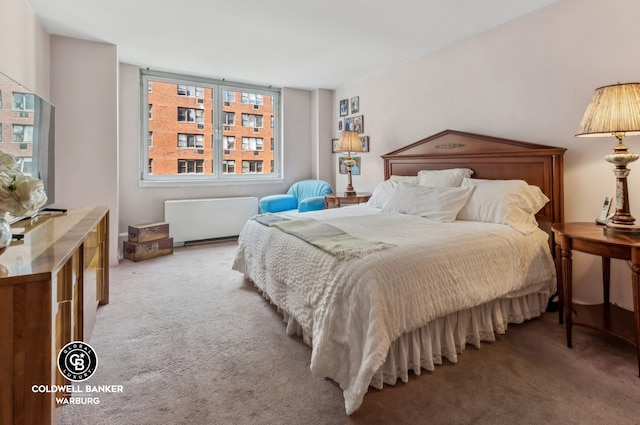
point(189, 110)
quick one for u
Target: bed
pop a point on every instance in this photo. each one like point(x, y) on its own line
point(431, 263)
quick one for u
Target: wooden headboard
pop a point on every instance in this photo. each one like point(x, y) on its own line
point(490, 158)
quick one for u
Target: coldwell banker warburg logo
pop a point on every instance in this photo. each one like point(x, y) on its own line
point(77, 361)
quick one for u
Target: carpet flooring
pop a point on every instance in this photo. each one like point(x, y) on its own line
point(192, 342)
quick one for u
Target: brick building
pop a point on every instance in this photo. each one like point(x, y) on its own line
point(17, 123)
point(182, 130)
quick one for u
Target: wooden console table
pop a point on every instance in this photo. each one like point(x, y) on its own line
point(51, 284)
point(606, 317)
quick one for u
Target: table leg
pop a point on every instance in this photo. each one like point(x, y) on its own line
point(560, 289)
point(568, 296)
point(635, 281)
point(606, 285)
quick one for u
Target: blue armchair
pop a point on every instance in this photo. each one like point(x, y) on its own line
point(305, 195)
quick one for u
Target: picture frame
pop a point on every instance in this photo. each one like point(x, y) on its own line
point(355, 171)
point(340, 125)
point(355, 104)
point(358, 124)
point(334, 145)
point(348, 124)
point(364, 141)
point(344, 107)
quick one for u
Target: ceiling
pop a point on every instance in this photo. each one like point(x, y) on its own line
point(284, 43)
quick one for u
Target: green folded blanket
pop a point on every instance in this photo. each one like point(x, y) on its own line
point(327, 237)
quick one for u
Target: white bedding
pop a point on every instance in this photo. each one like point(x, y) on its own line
point(351, 311)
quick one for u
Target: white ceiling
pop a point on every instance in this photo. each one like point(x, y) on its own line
point(286, 43)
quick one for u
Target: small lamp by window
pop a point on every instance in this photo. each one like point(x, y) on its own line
point(615, 111)
point(349, 141)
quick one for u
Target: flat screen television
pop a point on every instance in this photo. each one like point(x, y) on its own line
point(27, 125)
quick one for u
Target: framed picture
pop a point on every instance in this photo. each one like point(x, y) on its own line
point(348, 124)
point(355, 170)
point(340, 125)
point(358, 124)
point(364, 141)
point(334, 145)
point(355, 105)
point(344, 107)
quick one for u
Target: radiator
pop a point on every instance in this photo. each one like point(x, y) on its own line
point(202, 219)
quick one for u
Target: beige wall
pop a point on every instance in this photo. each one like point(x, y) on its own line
point(531, 80)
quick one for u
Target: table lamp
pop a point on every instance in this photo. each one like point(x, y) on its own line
point(349, 141)
point(615, 111)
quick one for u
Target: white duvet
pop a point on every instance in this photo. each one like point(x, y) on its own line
point(351, 310)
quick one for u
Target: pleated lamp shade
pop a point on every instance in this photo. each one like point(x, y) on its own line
point(349, 141)
point(613, 111)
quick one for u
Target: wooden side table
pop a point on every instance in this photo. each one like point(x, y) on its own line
point(338, 199)
point(606, 317)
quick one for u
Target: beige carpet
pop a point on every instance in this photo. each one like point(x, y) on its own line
point(192, 342)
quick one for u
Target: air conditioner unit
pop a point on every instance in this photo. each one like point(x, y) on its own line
point(200, 100)
point(227, 152)
point(200, 126)
point(24, 115)
point(256, 153)
point(256, 130)
point(201, 151)
point(256, 106)
point(227, 128)
point(227, 103)
point(24, 146)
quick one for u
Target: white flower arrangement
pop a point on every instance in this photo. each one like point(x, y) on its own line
point(20, 194)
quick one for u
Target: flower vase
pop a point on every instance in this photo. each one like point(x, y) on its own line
point(5, 235)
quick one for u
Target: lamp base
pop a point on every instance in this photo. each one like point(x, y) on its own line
point(349, 192)
point(622, 229)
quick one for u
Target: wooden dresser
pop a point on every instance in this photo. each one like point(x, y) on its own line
point(51, 284)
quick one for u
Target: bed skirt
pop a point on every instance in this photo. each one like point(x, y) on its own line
point(445, 337)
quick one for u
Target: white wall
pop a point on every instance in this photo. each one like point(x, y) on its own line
point(25, 47)
point(84, 81)
point(530, 80)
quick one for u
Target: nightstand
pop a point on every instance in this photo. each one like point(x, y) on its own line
point(606, 317)
point(338, 199)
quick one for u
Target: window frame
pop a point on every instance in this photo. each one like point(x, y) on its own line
point(217, 177)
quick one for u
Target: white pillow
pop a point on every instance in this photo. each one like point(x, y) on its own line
point(443, 178)
point(510, 202)
point(408, 179)
point(382, 193)
point(435, 203)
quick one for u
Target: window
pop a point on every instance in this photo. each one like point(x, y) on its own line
point(23, 101)
point(228, 142)
point(252, 166)
point(191, 115)
point(228, 96)
point(190, 166)
point(229, 118)
point(252, 143)
point(191, 91)
point(252, 98)
point(190, 140)
point(174, 139)
point(251, 120)
point(228, 166)
point(22, 133)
